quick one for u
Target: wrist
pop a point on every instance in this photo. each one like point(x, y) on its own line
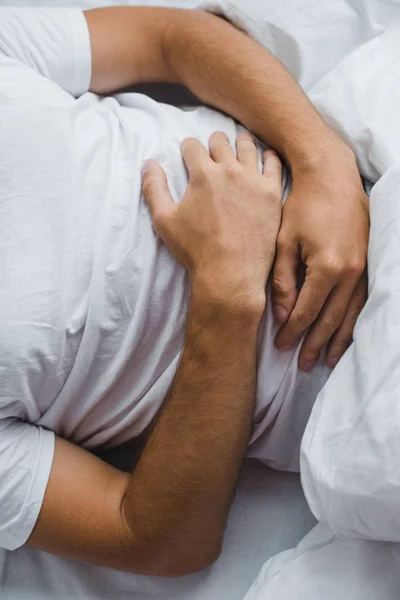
point(313, 157)
point(236, 303)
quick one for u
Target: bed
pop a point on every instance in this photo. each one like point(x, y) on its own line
point(269, 514)
point(354, 552)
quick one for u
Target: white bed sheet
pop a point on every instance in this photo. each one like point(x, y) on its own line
point(269, 514)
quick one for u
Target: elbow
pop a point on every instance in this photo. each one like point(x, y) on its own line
point(187, 564)
point(169, 551)
point(161, 559)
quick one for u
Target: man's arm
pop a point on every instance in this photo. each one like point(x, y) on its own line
point(168, 516)
point(219, 64)
point(325, 220)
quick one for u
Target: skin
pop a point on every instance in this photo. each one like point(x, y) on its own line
point(325, 224)
point(224, 233)
point(155, 524)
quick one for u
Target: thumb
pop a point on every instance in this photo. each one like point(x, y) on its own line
point(284, 283)
point(156, 193)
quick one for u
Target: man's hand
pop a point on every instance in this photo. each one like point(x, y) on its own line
point(224, 233)
point(325, 220)
point(167, 518)
point(230, 204)
point(325, 226)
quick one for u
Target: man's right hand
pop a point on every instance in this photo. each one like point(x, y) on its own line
point(228, 219)
point(168, 516)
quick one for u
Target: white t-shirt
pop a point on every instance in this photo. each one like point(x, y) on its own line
point(92, 305)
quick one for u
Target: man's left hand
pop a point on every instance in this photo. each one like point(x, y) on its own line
point(325, 226)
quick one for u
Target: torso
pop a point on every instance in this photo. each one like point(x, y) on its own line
point(93, 307)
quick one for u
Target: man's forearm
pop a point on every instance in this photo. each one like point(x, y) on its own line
point(228, 70)
point(168, 516)
point(182, 487)
point(219, 64)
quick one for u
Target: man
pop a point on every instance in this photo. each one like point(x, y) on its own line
point(93, 307)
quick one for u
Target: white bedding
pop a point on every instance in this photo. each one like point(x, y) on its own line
point(269, 514)
point(345, 54)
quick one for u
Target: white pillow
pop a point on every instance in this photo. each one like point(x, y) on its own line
point(350, 455)
point(313, 36)
point(324, 566)
point(345, 56)
point(360, 100)
point(351, 449)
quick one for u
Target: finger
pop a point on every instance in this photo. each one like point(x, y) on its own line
point(246, 151)
point(327, 323)
point(344, 335)
point(272, 165)
point(309, 303)
point(156, 193)
point(284, 280)
point(272, 170)
point(194, 154)
point(220, 149)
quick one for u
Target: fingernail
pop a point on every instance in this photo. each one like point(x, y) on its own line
point(146, 165)
point(281, 314)
point(284, 348)
point(332, 361)
point(308, 365)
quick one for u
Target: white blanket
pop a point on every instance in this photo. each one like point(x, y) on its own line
point(346, 56)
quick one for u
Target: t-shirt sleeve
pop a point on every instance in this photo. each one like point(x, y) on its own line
point(55, 42)
point(26, 456)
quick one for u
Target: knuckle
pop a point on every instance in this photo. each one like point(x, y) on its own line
point(269, 153)
point(330, 324)
point(148, 184)
point(339, 346)
point(359, 304)
point(306, 317)
point(274, 162)
point(355, 267)
point(352, 318)
point(283, 242)
point(246, 139)
point(158, 220)
point(202, 173)
point(332, 268)
point(344, 336)
point(233, 171)
point(157, 224)
point(279, 287)
point(272, 194)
